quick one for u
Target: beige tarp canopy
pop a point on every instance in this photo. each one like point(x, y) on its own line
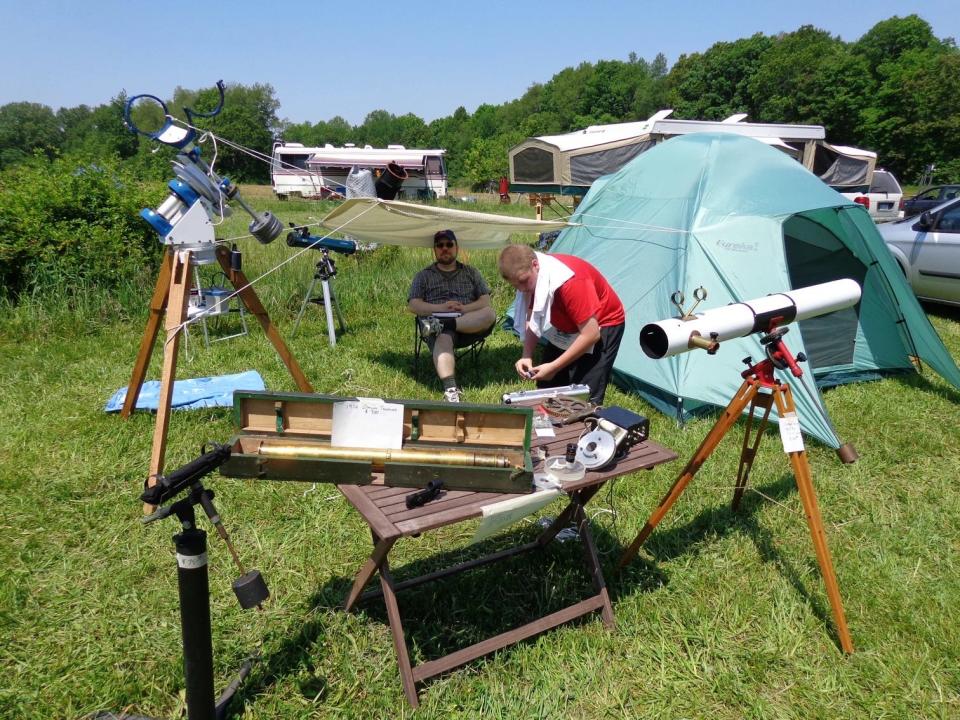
point(390, 222)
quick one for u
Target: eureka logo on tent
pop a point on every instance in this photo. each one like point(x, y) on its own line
point(741, 247)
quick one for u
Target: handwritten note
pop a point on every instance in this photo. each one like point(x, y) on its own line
point(367, 422)
point(790, 433)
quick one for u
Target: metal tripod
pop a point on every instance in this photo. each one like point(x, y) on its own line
point(326, 271)
point(194, 585)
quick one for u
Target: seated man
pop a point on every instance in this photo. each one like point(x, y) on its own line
point(449, 286)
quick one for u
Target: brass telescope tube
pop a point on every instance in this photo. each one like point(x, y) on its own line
point(379, 457)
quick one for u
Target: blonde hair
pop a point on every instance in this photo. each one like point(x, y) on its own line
point(515, 260)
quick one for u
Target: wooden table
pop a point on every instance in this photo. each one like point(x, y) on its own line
point(384, 510)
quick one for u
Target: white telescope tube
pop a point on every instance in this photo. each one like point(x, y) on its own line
point(674, 336)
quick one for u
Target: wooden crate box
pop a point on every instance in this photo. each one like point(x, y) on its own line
point(287, 436)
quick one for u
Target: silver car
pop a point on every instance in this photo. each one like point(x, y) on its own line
point(927, 247)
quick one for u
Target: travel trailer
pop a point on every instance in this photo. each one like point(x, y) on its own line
point(321, 172)
point(568, 164)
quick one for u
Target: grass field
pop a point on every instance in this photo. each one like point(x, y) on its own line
point(721, 616)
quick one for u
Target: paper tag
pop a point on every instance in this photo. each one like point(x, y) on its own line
point(790, 433)
point(367, 422)
point(499, 515)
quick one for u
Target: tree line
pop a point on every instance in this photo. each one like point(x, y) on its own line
point(896, 91)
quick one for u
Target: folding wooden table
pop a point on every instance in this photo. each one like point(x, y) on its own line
point(384, 510)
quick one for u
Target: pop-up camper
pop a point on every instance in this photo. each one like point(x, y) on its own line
point(569, 164)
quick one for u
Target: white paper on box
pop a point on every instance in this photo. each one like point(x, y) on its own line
point(367, 422)
point(790, 433)
point(499, 515)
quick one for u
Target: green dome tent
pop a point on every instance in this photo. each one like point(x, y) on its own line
point(743, 220)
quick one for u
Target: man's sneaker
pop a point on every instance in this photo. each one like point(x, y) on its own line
point(430, 326)
point(452, 395)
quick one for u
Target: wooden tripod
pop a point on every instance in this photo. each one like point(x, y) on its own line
point(760, 390)
point(170, 296)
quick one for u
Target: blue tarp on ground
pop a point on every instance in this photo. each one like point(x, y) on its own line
point(192, 394)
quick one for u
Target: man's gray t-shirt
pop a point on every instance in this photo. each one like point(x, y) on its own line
point(464, 285)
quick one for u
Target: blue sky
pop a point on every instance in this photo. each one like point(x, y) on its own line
point(325, 59)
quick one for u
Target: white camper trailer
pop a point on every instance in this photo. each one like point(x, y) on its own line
point(568, 164)
point(321, 172)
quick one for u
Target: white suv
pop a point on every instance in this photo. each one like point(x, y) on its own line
point(883, 199)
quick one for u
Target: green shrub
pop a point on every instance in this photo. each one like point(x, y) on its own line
point(74, 222)
point(948, 172)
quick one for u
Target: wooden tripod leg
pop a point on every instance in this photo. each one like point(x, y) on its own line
point(158, 304)
point(253, 304)
point(739, 401)
point(801, 471)
point(748, 453)
point(176, 316)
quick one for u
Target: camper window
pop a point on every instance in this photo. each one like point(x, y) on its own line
point(289, 161)
point(884, 182)
point(533, 165)
point(434, 165)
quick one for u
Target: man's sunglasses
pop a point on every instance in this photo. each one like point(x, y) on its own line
point(447, 244)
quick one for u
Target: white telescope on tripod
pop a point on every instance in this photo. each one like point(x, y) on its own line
point(708, 329)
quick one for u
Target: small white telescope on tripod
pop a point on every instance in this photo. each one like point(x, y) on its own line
point(708, 329)
point(760, 392)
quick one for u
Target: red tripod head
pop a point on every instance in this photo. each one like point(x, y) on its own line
point(779, 357)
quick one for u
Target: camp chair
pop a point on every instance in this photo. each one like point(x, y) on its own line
point(466, 345)
point(213, 303)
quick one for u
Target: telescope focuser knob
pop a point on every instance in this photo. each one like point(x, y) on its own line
point(801, 357)
point(712, 350)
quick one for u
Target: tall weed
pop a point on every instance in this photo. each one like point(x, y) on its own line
point(72, 223)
